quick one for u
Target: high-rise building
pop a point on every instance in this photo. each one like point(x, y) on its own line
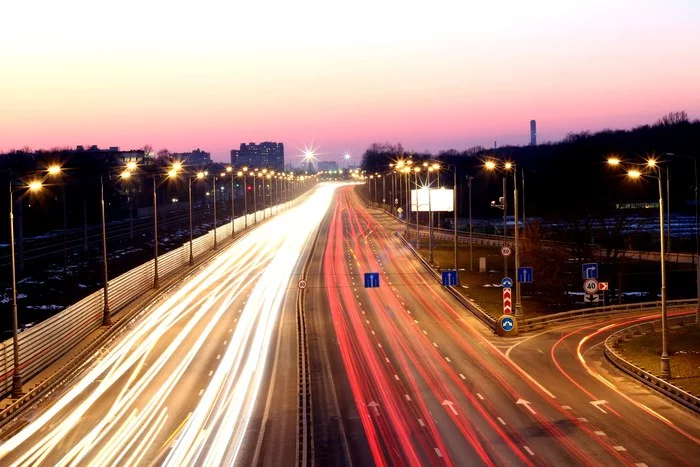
point(194, 158)
point(264, 155)
point(533, 133)
point(325, 166)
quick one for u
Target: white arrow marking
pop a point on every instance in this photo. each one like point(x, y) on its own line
point(376, 407)
point(450, 404)
point(597, 405)
point(527, 405)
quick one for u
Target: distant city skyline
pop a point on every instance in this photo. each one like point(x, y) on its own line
point(466, 75)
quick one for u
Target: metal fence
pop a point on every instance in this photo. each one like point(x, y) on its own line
point(46, 342)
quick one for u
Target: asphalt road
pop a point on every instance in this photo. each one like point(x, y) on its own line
point(431, 386)
point(204, 376)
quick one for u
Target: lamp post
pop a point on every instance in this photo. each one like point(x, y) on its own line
point(407, 171)
point(430, 218)
point(34, 185)
point(696, 259)
point(416, 170)
point(244, 173)
point(255, 200)
point(508, 167)
point(106, 315)
point(469, 184)
point(229, 171)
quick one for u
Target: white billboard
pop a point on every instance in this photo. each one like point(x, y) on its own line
point(440, 200)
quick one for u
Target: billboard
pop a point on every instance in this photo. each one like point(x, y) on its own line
point(440, 200)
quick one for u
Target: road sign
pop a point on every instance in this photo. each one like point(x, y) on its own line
point(507, 282)
point(371, 280)
point(505, 251)
point(507, 323)
point(302, 284)
point(602, 286)
point(525, 275)
point(507, 301)
point(589, 271)
point(590, 286)
point(396, 201)
point(399, 210)
point(591, 298)
point(449, 278)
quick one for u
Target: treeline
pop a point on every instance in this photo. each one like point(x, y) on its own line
point(570, 179)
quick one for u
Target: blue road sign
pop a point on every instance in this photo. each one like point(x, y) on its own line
point(371, 280)
point(589, 270)
point(525, 275)
point(507, 282)
point(449, 278)
point(507, 323)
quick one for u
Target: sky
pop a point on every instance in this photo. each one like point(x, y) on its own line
point(338, 76)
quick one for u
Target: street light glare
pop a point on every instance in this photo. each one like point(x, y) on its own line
point(131, 166)
point(54, 169)
point(490, 165)
point(200, 175)
point(35, 185)
point(613, 161)
point(240, 173)
point(634, 173)
point(177, 166)
point(508, 165)
point(651, 163)
point(229, 169)
point(125, 174)
point(172, 173)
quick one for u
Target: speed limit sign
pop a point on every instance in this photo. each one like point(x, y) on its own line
point(505, 251)
point(590, 286)
point(302, 284)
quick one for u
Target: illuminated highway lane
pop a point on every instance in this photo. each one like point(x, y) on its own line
point(181, 385)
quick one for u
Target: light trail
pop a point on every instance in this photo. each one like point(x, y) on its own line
point(136, 385)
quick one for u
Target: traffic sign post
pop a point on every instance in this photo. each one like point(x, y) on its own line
point(525, 275)
point(302, 284)
point(507, 282)
point(371, 280)
point(507, 301)
point(589, 271)
point(590, 286)
point(449, 278)
point(602, 286)
point(592, 298)
point(506, 251)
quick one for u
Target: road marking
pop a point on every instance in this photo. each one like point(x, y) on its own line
point(599, 433)
point(540, 351)
point(415, 321)
point(387, 359)
point(373, 333)
point(529, 451)
point(437, 451)
point(379, 345)
point(641, 464)
point(448, 359)
point(420, 422)
point(408, 398)
point(581, 419)
point(619, 448)
point(503, 422)
point(235, 320)
point(566, 407)
point(201, 391)
point(462, 376)
point(211, 372)
point(425, 332)
point(527, 405)
point(225, 342)
point(396, 377)
point(218, 356)
point(367, 321)
point(434, 344)
point(597, 405)
point(230, 330)
point(478, 394)
point(450, 404)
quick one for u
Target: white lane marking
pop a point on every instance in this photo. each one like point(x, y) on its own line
point(387, 359)
point(218, 356)
point(420, 422)
point(367, 321)
point(425, 332)
point(462, 376)
point(437, 451)
point(396, 377)
point(379, 345)
point(619, 448)
point(527, 405)
point(566, 407)
point(502, 422)
point(597, 404)
point(201, 391)
point(599, 433)
point(435, 344)
point(581, 419)
point(408, 398)
point(230, 330)
point(211, 372)
point(448, 359)
point(415, 321)
point(408, 312)
point(529, 451)
point(225, 342)
point(373, 333)
point(641, 464)
point(540, 351)
point(478, 394)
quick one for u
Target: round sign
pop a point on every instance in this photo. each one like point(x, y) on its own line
point(302, 284)
point(590, 286)
point(507, 282)
point(505, 251)
point(507, 325)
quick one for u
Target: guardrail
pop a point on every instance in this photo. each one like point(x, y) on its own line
point(470, 305)
point(640, 374)
point(49, 340)
point(538, 322)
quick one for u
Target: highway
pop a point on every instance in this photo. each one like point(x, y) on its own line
point(201, 377)
point(431, 386)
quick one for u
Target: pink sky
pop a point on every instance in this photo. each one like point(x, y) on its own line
point(438, 75)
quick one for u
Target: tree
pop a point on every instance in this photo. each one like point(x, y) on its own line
point(673, 118)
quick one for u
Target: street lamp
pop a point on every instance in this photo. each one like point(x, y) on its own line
point(508, 166)
point(469, 184)
point(696, 259)
point(229, 171)
point(34, 185)
point(416, 170)
point(244, 173)
point(106, 315)
point(665, 362)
